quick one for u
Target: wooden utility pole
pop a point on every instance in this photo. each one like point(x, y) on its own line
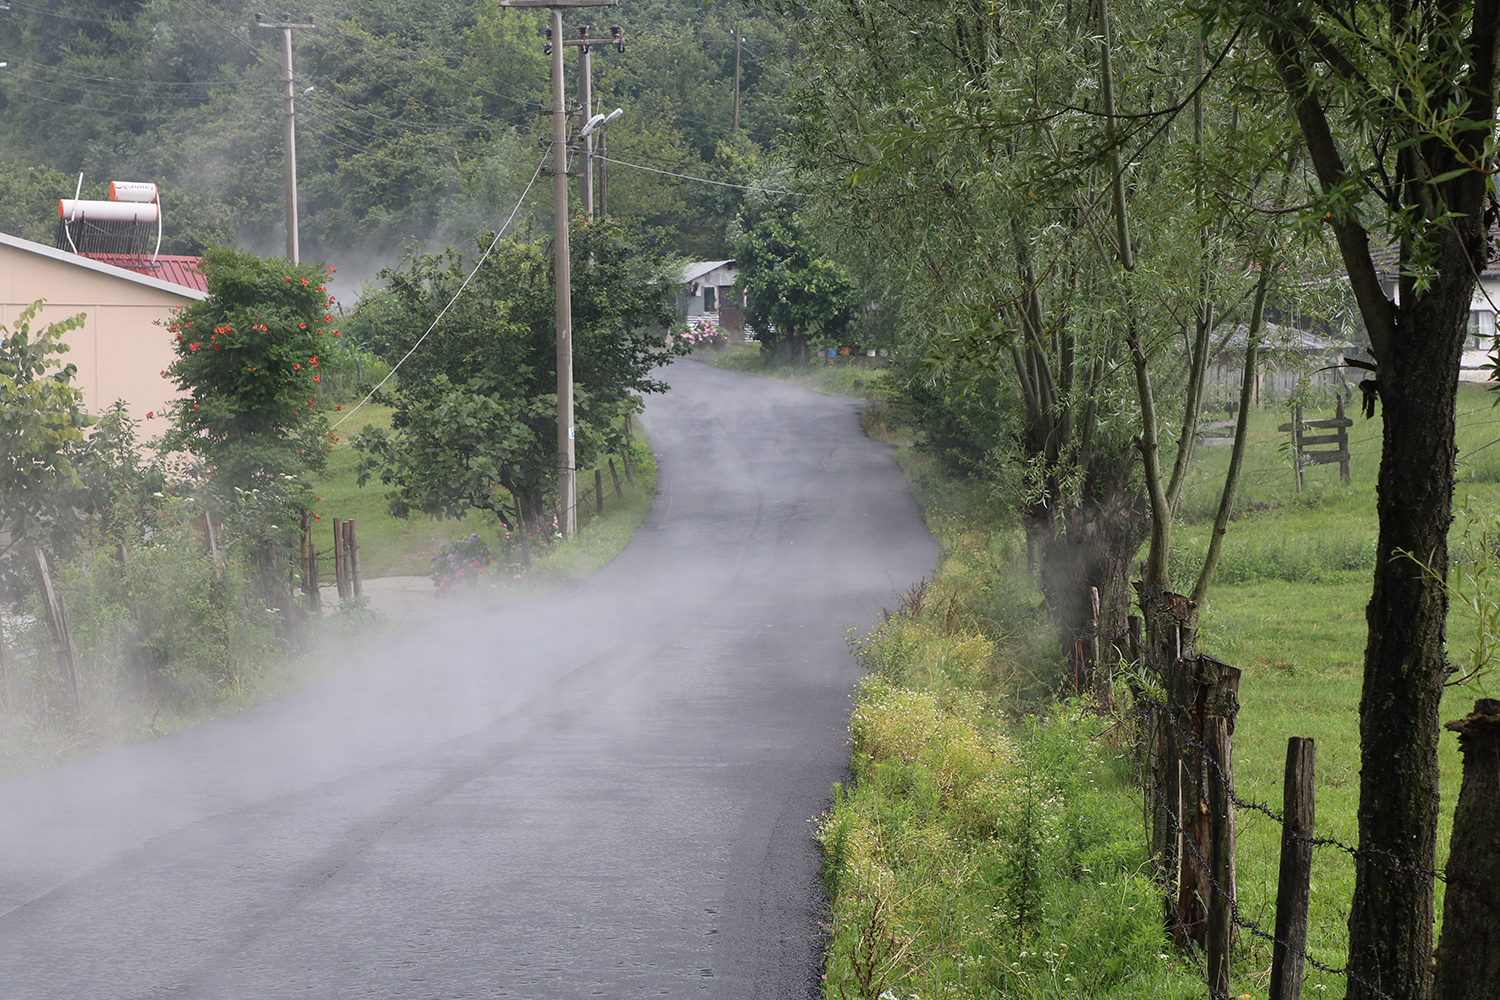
point(286, 25)
point(567, 474)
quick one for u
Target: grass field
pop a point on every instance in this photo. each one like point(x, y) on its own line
point(391, 546)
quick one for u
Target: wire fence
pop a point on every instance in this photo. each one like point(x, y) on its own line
point(1193, 751)
point(1159, 710)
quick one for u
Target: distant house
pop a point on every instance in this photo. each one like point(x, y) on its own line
point(1480, 345)
point(708, 292)
point(120, 351)
point(1287, 356)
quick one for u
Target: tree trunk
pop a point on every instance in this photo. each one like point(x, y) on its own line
point(1093, 547)
point(1390, 921)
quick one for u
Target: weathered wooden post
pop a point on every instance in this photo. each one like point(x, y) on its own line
point(1468, 953)
point(1220, 853)
point(310, 564)
point(351, 555)
point(625, 455)
point(210, 536)
point(1293, 886)
point(615, 476)
point(1343, 437)
point(1297, 444)
point(1170, 622)
point(340, 571)
point(599, 492)
point(56, 613)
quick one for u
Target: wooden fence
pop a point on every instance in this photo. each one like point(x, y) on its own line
point(1185, 763)
point(1311, 449)
point(345, 553)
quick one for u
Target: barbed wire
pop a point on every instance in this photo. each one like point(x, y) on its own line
point(1247, 925)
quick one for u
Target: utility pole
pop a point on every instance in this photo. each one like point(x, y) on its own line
point(567, 473)
point(736, 128)
point(586, 102)
point(286, 24)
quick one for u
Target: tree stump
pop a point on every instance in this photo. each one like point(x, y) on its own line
point(1468, 955)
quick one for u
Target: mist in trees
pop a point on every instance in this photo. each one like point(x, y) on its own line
point(416, 121)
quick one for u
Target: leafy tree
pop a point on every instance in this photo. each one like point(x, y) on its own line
point(42, 423)
point(1396, 106)
point(247, 357)
point(795, 297)
point(248, 360)
point(968, 136)
point(475, 423)
point(28, 200)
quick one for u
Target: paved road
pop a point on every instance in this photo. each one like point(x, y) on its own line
point(608, 793)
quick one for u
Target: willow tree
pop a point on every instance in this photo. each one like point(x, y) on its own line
point(961, 153)
point(1396, 107)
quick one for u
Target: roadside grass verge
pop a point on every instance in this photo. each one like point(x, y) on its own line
point(392, 546)
point(992, 842)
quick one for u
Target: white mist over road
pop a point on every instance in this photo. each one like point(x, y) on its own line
point(604, 793)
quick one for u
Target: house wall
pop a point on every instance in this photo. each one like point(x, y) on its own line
point(721, 280)
point(120, 351)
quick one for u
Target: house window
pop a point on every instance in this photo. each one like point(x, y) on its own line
point(710, 303)
point(1481, 329)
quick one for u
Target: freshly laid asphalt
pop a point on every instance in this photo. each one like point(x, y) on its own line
point(606, 793)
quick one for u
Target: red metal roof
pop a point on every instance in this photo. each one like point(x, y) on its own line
point(179, 270)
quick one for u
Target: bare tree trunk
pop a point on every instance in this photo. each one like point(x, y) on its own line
point(1391, 919)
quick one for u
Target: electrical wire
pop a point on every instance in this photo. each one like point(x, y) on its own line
point(701, 180)
point(480, 263)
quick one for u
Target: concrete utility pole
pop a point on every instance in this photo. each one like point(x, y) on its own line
point(736, 128)
point(586, 102)
point(567, 472)
point(286, 24)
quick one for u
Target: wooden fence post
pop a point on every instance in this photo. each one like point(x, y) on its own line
point(1294, 883)
point(1468, 954)
point(351, 555)
point(1220, 849)
point(1343, 435)
point(1297, 444)
point(615, 476)
point(210, 536)
point(625, 455)
point(599, 491)
point(1169, 623)
point(56, 613)
point(310, 564)
point(340, 572)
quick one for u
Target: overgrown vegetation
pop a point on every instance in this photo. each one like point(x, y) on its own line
point(992, 844)
point(170, 635)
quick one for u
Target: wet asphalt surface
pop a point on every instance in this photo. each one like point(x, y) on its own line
point(606, 793)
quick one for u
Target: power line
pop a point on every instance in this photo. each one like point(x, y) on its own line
point(702, 180)
point(480, 263)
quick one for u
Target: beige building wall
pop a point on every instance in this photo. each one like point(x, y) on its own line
point(121, 350)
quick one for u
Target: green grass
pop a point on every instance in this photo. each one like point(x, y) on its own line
point(388, 546)
point(392, 546)
point(834, 376)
